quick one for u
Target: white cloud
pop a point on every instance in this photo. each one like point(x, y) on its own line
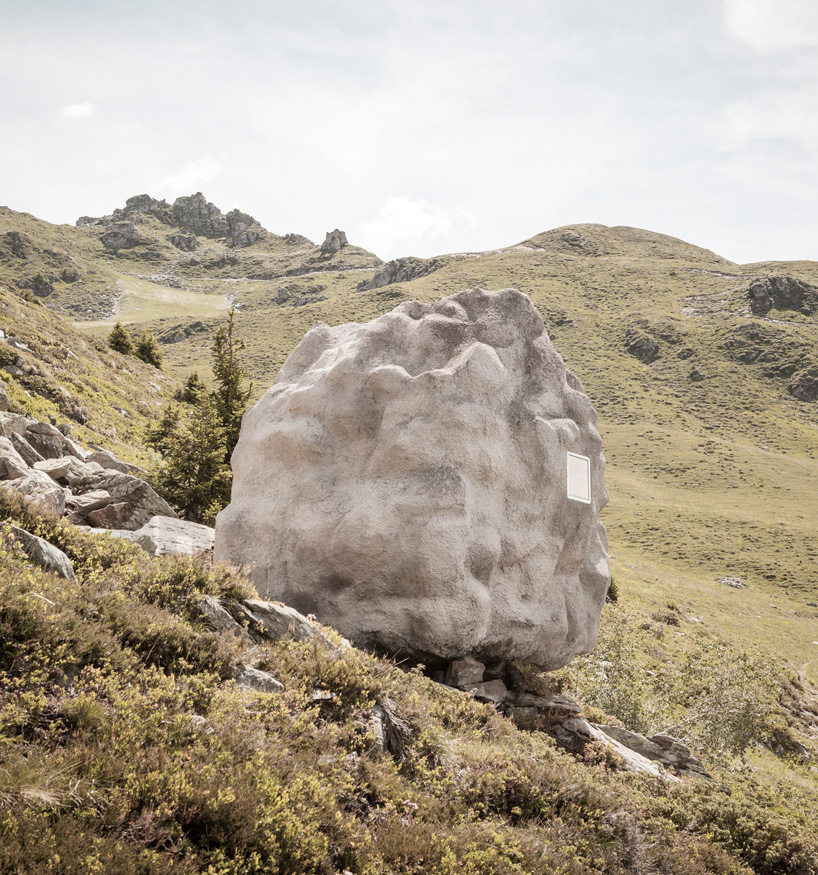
point(407, 225)
point(773, 115)
point(772, 24)
point(79, 110)
point(188, 178)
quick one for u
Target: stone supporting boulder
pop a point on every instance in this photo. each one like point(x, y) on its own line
point(406, 481)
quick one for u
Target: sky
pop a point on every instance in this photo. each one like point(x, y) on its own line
point(424, 126)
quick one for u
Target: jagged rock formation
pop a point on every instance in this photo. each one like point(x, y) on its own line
point(405, 481)
point(782, 293)
point(193, 214)
point(402, 270)
point(334, 242)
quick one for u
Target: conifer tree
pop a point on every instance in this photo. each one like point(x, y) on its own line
point(194, 477)
point(162, 436)
point(230, 394)
point(120, 339)
point(194, 389)
point(147, 349)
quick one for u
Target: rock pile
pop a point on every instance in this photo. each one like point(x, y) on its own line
point(406, 481)
point(520, 695)
point(92, 488)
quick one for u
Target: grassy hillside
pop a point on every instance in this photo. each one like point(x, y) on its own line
point(711, 465)
point(126, 747)
point(107, 398)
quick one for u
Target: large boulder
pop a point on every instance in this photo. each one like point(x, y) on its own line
point(406, 482)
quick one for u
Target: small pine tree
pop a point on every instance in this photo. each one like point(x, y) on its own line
point(229, 394)
point(120, 339)
point(194, 389)
point(164, 435)
point(194, 477)
point(147, 349)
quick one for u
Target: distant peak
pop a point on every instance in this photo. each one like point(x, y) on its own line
point(193, 213)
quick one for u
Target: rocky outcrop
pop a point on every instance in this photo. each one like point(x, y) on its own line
point(406, 482)
point(334, 242)
point(782, 293)
point(401, 270)
point(659, 748)
point(121, 235)
point(804, 384)
point(183, 241)
point(193, 214)
point(198, 215)
point(641, 345)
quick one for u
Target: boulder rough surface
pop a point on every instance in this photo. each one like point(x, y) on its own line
point(405, 481)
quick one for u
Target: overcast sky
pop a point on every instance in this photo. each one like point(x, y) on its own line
point(424, 126)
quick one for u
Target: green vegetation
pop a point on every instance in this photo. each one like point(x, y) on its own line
point(196, 446)
point(229, 374)
point(120, 340)
point(127, 748)
point(147, 349)
point(108, 398)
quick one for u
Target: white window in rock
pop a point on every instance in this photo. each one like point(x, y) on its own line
point(579, 478)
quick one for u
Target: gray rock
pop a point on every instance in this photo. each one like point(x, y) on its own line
point(108, 460)
point(41, 552)
point(259, 621)
point(464, 672)
point(41, 489)
point(122, 235)
point(4, 398)
point(211, 609)
point(641, 345)
point(660, 748)
point(162, 535)
point(185, 242)
point(334, 242)
point(196, 214)
point(45, 439)
point(24, 448)
point(402, 270)
point(13, 423)
point(250, 678)
point(71, 447)
point(547, 704)
point(84, 504)
point(12, 464)
point(783, 293)
point(55, 468)
point(490, 691)
point(270, 621)
point(418, 465)
point(133, 501)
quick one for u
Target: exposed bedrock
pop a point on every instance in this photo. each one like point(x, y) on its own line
point(405, 481)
